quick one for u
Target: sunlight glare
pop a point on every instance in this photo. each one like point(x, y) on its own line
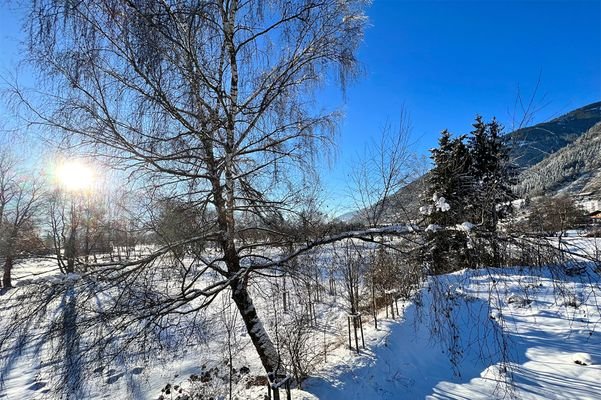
point(74, 176)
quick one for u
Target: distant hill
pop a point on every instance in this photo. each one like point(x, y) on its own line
point(406, 202)
point(532, 144)
point(536, 152)
point(575, 169)
point(402, 206)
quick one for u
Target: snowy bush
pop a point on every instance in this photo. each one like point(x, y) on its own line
point(300, 353)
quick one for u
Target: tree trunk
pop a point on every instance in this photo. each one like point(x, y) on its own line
point(7, 276)
point(266, 350)
point(374, 303)
point(386, 301)
point(87, 244)
point(355, 330)
point(70, 252)
point(285, 296)
point(361, 327)
point(231, 361)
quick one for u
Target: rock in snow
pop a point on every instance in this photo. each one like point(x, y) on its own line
point(582, 359)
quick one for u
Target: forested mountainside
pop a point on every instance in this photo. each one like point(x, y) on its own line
point(576, 168)
point(402, 205)
point(533, 144)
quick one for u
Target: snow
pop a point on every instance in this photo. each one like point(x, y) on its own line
point(582, 359)
point(440, 203)
point(590, 205)
point(466, 226)
point(433, 228)
point(426, 210)
point(546, 341)
point(549, 327)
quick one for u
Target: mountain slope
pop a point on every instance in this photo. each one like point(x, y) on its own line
point(529, 146)
point(532, 144)
point(576, 168)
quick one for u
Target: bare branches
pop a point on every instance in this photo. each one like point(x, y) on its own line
point(383, 170)
point(206, 104)
point(20, 201)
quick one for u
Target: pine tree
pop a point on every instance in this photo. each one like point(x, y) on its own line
point(492, 177)
point(449, 179)
point(468, 183)
point(449, 183)
point(491, 173)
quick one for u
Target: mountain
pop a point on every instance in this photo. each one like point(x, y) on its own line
point(574, 169)
point(401, 206)
point(533, 144)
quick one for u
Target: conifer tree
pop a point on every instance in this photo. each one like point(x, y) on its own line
point(449, 182)
point(468, 183)
point(492, 175)
point(449, 179)
point(491, 172)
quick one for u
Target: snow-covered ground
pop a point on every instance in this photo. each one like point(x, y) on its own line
point(447, 344)
point(548, 342)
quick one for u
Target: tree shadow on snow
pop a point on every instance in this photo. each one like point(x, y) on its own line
point(532, 361)
point(409, 362)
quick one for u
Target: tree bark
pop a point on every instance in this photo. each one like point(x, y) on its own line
point(7, 276)
point(355, 330)
point(70, 251)
point(266, 350)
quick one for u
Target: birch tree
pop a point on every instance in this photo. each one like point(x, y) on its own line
point(205, 101)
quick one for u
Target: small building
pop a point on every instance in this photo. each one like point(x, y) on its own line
point(595, 217)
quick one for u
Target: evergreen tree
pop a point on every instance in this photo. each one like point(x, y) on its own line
point(449, 179)
point(449, 183)
point(468, 183)
point(491, 173)
point(492, 176)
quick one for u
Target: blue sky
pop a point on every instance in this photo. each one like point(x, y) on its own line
point(445, 62)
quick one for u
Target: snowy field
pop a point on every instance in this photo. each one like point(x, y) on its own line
point(528, 333)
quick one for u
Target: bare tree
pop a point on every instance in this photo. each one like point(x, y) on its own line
point(555, 215)
point(348, 258)
point(381, 172)
point(207, 101)
point(66, 216)
point(20, 201)
point(384, 169)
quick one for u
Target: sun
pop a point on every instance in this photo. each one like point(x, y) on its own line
point(74, 176)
